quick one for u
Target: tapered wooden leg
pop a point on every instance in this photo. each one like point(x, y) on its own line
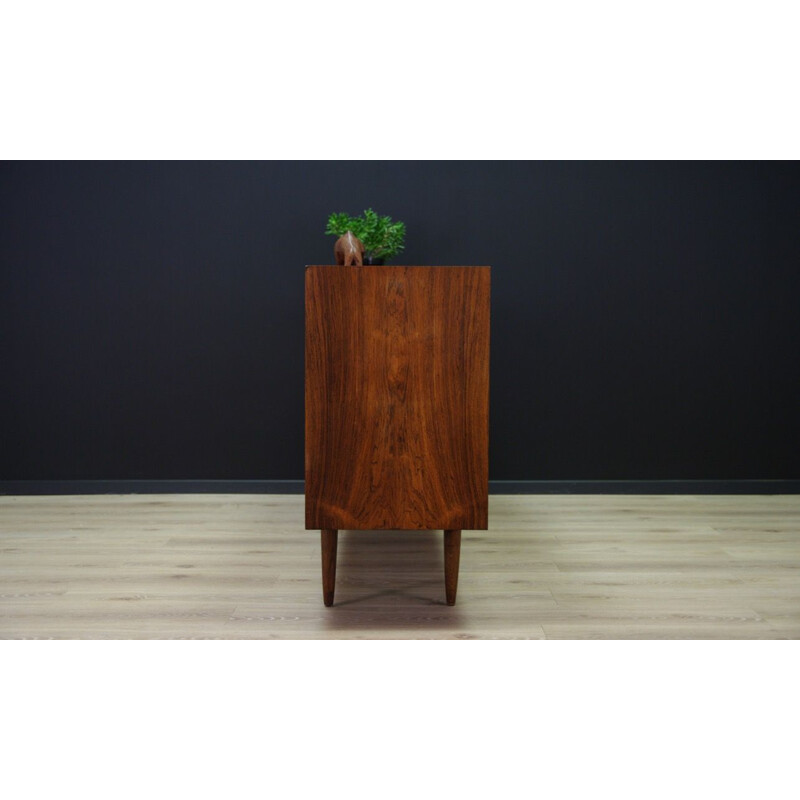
point(330, 539)
point(452, 553)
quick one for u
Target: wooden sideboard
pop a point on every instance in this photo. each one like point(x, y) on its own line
point(397, 404)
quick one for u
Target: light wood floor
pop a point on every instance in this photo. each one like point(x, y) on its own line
point(551, 566)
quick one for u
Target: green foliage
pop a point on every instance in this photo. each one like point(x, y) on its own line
point(339, 224)
point(381, 237)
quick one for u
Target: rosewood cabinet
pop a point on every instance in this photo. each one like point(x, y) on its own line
point(397, 404)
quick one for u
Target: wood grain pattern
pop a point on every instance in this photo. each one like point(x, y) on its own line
point(554, 566)
point(397, 394)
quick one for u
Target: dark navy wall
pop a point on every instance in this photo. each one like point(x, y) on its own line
point(646, 323)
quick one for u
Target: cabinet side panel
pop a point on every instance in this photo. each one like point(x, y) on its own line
point(397, 397)
point(333, 415)
point(469, 302)
point(460, 391)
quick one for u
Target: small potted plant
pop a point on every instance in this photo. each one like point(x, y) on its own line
point(381, 237)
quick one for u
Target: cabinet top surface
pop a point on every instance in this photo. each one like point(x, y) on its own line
point(377, 267)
